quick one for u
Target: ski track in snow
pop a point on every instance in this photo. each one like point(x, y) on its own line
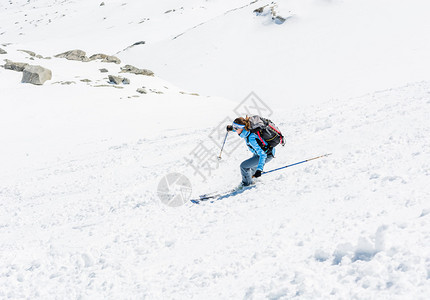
point(354, 225)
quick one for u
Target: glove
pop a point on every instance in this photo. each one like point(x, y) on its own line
point(257, 174)
point(229, 128)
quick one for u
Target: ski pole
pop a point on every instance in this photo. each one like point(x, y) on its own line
point(297, 163)
point(219, 157)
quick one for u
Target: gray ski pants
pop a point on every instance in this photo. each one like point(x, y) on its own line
point(249, 166)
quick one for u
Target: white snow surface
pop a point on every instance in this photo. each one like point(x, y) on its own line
point(80, 163)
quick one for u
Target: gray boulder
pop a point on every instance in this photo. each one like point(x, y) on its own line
point(115, 79)
point(118, 80)
point(2, 51)
point(36, 75)
point(134, 70)
point(15, 66)
point(78, 55)
point(141, 91)
point(259, 10)
point(31, 53)
point(105, 58)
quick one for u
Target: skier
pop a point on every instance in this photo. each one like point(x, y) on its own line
point(263, 152)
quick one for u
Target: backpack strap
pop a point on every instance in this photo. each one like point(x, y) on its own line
point(261, 139)
point(266, 148)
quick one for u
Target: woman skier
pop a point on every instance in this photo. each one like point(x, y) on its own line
point(263, 153)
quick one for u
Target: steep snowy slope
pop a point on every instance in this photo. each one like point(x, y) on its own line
point(324, 49)
point(354, 225)
point(82, 159)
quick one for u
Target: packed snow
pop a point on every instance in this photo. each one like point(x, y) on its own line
point(82, 158)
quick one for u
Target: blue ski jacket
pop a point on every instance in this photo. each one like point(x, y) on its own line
point(254, 147)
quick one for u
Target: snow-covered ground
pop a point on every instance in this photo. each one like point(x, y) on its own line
point(81, 161)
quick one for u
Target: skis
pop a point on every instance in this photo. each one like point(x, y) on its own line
point(219, 196)
point(206, 197)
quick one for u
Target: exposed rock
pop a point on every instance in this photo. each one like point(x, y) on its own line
point(115, 79)
point(102, 4)
point(36, 75)
point(139, 43)
point(105, 58)
point(192, 94)
point(141, 91)
point(15, 66)
point(2, 51)
point(64, 82)
point(134, 70)
point(104, 70)
point(259, 10)
point(86, 80)
point(279, 20)
point(118, 80)
point(155, 91)
point(272, 11)
point(31, 53)
point(109, 85)
point(78, 55)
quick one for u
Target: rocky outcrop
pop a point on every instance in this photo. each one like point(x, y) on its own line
point(31, 53)
point(105, 58)
point(15, 66)
point(133, 70)
point(36, 75)
point(77, 55)
point(137, 43)
point(272, 11)
point(141, 90)
point(2, 51)
point(259, 10)
point(118, 80)
point(80, 55)
point(115, 79)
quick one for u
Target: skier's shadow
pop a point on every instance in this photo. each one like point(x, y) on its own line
point(235, 193)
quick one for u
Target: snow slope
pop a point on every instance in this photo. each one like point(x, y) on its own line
point(354, 225)
point(325, 49)
point(80, 216)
